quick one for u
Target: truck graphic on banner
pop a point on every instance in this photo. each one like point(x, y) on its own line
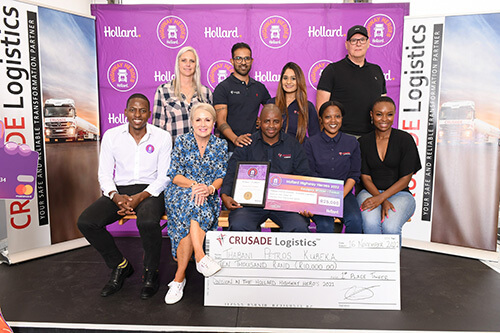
point(458, 124)
point(62, 123)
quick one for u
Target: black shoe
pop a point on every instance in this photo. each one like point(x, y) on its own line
point(151, 283)
point(118, 276)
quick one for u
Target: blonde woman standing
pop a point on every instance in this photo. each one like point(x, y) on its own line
point(175, 99)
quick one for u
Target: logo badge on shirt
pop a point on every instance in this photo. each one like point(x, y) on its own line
point(150, 149)
point(347, 153)
point(280, 155)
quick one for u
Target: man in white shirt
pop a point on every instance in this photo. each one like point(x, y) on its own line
point(133, 165)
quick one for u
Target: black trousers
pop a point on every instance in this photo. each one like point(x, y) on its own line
point(93, 221)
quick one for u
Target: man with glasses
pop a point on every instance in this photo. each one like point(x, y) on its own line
point(354, 82)
point(237, 100)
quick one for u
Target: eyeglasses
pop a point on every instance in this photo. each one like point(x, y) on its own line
point(239, 59)
point(355, 41)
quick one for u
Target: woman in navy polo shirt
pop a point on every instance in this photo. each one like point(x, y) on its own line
point(299, 115)
point(336, 155)
point(390, 158)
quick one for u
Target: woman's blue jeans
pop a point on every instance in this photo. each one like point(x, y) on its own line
point(403, 202)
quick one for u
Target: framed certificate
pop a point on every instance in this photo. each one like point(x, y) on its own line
point(250, 183)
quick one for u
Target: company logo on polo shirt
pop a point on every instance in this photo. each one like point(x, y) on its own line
point(166, 76)
point(347, 153)
point(266, 76)
point(323, 31)
point(315, 71)
point(218, 32)
point(381, 30)
point(118, 32)
point(218, 72)
point(150, 149)
point(172, 32)
point(122, 75)
point(275, 32)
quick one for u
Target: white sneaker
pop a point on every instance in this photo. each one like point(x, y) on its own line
point(207, 266)
point(175, 292)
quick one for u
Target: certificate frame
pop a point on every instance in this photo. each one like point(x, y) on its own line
point(250, 183)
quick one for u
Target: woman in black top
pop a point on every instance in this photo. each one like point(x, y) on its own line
point(389, 158)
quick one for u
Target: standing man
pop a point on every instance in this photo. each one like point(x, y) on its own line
point(237, 100)
point(286, 156)
point(354, 82)
point(133, 165)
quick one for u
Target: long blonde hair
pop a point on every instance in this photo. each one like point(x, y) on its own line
point(196, 77)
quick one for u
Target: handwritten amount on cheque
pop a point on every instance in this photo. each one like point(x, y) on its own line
point(283, 261)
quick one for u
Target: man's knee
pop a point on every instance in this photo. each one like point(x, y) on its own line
point(240, 220)
point(294, 222)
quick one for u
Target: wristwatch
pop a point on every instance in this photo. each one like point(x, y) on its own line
point(112, 195)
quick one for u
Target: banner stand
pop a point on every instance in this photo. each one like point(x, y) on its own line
point(44, 251)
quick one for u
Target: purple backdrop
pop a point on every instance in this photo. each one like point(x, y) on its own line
point(137, 44)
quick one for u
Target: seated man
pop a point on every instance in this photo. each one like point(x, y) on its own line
point(285, 155)
point(133, 165)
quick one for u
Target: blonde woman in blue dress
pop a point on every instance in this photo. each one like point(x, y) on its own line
point(198, 165)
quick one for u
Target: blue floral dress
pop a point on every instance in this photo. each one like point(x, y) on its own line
point(186, 161)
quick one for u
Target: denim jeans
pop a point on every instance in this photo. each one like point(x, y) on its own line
point(403, 202)
point(352, 218)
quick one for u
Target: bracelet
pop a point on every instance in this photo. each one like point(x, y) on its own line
point(193, 184)
point(212, 187)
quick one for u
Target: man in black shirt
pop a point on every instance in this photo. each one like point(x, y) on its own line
point(237, 99)
point(354, 82)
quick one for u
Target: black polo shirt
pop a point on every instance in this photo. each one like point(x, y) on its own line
point(243, 102)
point(286, 156)
point(356, 88)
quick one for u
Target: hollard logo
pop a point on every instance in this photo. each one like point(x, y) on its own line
point(172, 32)
point(117, 119)
point(275, 32)
point(381, 30)
point(218, 32)
point(118, 32)
point(266, 76)
point(165, 76)
point(315, 72)
point(388, 76)
point(323, 31)
point(218, 72)
point(122, 75)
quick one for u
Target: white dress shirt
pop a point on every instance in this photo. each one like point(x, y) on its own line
point(124, 162)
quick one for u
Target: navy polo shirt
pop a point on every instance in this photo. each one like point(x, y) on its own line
point(356, 88)
point(293, 115)
point(286, 156)
point(335, 158)
point(243, 102)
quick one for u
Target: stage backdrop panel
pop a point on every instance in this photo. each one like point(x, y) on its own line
point(449, 102)
point(49, 100)
point(138, 44)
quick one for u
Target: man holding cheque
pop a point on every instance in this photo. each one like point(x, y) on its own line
point(285, 155)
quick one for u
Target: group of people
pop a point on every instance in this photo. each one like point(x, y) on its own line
point(178, 166)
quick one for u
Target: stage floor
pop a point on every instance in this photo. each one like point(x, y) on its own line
point(438, 293)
